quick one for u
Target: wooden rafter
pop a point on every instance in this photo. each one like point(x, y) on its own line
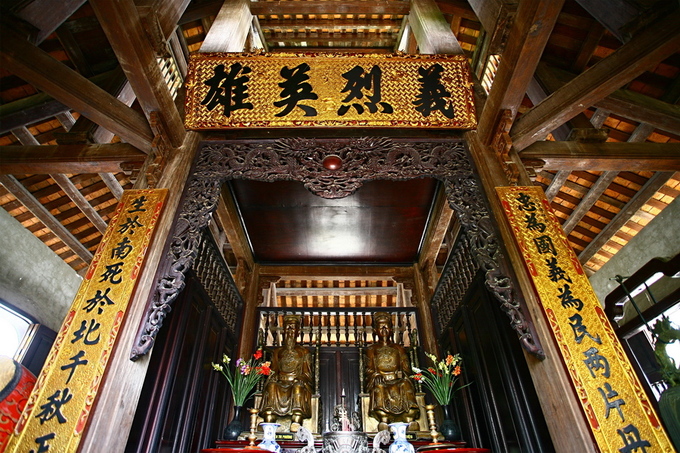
point(272, 25)
point(391, 7)
point(37, 209)
point(614, 15)
point(625, 103)
point(588, 47)
point(496, 17)
point(432, 32)
point(66, 119)
point(70, 159)
point(338, 272)
point(47, 15)
point(610, 156)
point(652, 186)
point(67, 86)
point(229, 31)
point(589, 200)
point(536, 93)
point(339, 292)
point(71, 191)
point(73, 50)
point(167, 12)
point(630, 60)
point(529, 34)
point(335, 38)
point(38, 107)
point(578, 188)
point(643, 109)
point(113, 184)
point(599, 117)
point(80, 201)
point(46, 108)
point(434, 237)
point(228, 215)
point(460, 8)
point(131, 43)
point(556, 184)
point(639, 135)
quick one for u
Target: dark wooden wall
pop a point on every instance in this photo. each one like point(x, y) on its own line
point(339, 369)
point(499, 409)
point(184, 404)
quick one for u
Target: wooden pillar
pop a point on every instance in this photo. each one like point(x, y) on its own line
point(422, 302)
point(431, 31)
point(568, 427)
point(114, 411)
point(249, 320)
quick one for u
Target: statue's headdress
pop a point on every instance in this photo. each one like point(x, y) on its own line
point(382, 315)
point(297, 319)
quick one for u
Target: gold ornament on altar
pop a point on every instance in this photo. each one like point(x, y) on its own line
point(392, 394)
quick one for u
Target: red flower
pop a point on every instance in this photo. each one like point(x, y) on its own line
point(265, 369)
point(432, 370)
point(418, 377)
point(258, 354)
point(456, 371)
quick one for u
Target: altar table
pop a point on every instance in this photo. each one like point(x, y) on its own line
point(239, 447)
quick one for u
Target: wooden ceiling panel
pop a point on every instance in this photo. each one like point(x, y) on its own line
point(382, 223)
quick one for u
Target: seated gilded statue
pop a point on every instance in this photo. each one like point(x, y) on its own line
point(288, 389)
point(392, 393)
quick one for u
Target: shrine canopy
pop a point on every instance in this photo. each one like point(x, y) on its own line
point(226, 90)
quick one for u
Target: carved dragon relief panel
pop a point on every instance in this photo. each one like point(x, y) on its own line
point(332, 168)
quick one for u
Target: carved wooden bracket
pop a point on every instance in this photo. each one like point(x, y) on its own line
point(502, 144)
point(160, 150)
point(308, 160)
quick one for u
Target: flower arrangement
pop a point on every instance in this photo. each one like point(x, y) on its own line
point(244, 376)
point(441, 378)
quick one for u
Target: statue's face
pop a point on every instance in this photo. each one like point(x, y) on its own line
point(383, 327)
point(290, 331)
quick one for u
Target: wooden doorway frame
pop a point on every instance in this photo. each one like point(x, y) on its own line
point(301, 159)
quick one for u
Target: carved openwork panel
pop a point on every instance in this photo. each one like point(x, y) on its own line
point(459, 271)
point(212, 272)
point(332, 168)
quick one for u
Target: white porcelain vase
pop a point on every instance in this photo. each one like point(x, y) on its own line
point(269, 437)
point(400, 444)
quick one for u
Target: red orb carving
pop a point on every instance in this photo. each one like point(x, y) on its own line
point(332, 162)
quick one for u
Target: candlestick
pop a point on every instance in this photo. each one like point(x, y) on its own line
point(433, 424)
point(252, 437)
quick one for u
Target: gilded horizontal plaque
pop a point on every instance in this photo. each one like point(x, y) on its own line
point(619, 413)
point(226, 90)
